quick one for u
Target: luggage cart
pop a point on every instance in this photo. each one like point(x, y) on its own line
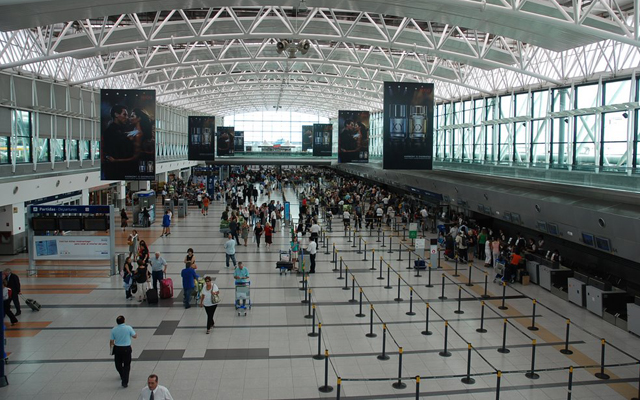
point(499, 270)
point(284, 265)
point(243, 292)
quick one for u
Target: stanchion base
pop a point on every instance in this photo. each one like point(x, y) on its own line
point(468, 381)
point(468, 284)
point(345, 288)
point(318, 357)
point(308, 316)
point(485, 296)
point(504, 351)
point(481, 330)
point(326, 389)
point(601, 375)
point(442, 297)
point(372, 268)
point(358, 252)
point(410, 313)
point(409, 268)
point(429, 286)
point(389, 251)
point(304, 301)
point(399, 259)
point(353, 301)
point(566, 352)
point(444, 354)
point(533, 328)
point(459, 312)
point(340, 278)
point(532, 375)
point(335, 270)
point(399, 385)
point(388, 287)
point(383, 357)
point(454, 275)
point(503, 308)
point(364, 259)
point(427, 333)
point(312, 334)
point(360, 315)
point(398, 299)
point(380, 278)
point(417, 276)
point(371, 335)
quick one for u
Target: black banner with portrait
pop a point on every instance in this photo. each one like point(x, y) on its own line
point(238, 141)
point(201, 138)
point(307, 137)
point(408, 126)
point(225, 140)
point(127, 140)
point(353, 136)
point(322, 140)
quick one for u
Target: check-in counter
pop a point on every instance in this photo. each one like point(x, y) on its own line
point(532, 269)
point(554, 276)
point(633, 317)
point(598, 299)
point(576, 291)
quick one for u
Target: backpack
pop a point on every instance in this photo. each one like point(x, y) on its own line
point(465, 241)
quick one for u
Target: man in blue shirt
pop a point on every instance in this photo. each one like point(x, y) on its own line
point(241, 275)
point(230, 250)
point(121, 348)
point(188, 284)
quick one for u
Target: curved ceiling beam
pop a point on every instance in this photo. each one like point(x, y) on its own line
point(499, 17)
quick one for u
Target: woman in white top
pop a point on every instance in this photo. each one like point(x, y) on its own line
point(206, 300)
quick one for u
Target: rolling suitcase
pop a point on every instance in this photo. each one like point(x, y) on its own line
point(33, 305)
point(166, 288)
point(152, 296)
point(420, 264)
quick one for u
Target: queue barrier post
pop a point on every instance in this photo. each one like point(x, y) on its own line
point(390, 251)
point(340, 277)
point(313, 322)
point(445, 352)
point(468, 380)
point(309, 315)
point(365, 251)
point(371, 334)
point(373, 260)
point(455, 271)
point(570, 384)
point(319, 355)
point(442, 296)
point(504, 349)
point(399, 384)
point(485, 295)
point(399, 299)
point(566, 350)
point(360, 314)
point(504, 292)
point(459, 310)
point(409, 251)
point(359, 245)
point(481, 329)
point(388, 278)
point(384, 356)
point(498, 379)
point(346, 281)
point(326, 388)
point(602, 374)
point(533, 326)
point(426, 330)
point(470, 271)
point(411, 312)
point(429, 284)
point(380, 277)
point(399, 251)
point(418, 387)
point(383, 245)
point(353, 289)
point(532, 373)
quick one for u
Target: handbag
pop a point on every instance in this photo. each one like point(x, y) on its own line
point(215, 298)
point(134, 287)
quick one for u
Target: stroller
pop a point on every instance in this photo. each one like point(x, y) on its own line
point(243, 296)
point(500, 269)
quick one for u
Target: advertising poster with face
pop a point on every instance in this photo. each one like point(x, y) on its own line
point(127, 144)
point(322, 140)
point(353, 138)
point(201, 138)
point(408, 126)
point(238, 141)
point(307, 137)
point(225, 140)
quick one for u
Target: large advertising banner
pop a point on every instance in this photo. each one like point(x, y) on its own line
point(128, 137)
point(353, 138)
point(238, 141)
point(225, 140)
point(322, 140)
point(307, 137)
point(201, 138)
point(72, 247)
point(408, 126)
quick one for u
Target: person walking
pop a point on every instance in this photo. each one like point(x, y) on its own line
point(123, 219)
point(158, 269)
point(13, 283)
point(6, 303)
point(209, 300)
point(230, 250)
point(312, 248)
point(153, 391)
point(258, 232)
point(143, 251)
point(233, 229)
point(244, 232)
point(205, 205)
point(120, 344)
point(166, 223)
point(127, 277)
point(189, 278)
point(190, 259)
point(268, 235)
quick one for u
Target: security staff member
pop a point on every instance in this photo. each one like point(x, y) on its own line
point(121, 348)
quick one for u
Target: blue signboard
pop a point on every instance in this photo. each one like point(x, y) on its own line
point(436, 197)
point(70, 209)
point(287, 211)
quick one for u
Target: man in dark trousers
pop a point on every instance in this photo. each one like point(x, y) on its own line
point(13, 283)
point(121, 348)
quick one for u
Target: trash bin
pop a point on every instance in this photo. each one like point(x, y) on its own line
point(119, 265)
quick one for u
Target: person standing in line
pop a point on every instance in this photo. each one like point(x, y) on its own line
point(120, 344)
point(258, 232)
point(268, 235)
point(132, 241)
point(128, 278)
point(141, 277)
point(207, 301)
point(123, 219)
point(189, 278)
point(230, 250)
point(153, 391)
point(143, 252)
point(312, 248)
point(166, 223)
point(158, 269)
point(13, 283)
point(146, 218)
point(6, 303)
point(295, 247)
point(495, 251)
point(205, 205)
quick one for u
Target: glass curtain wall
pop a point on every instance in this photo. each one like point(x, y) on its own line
point(591, 127)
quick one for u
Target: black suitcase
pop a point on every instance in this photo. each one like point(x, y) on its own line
point(152, 296)
point(420, 264)
point(284, 266)
point(33, 305)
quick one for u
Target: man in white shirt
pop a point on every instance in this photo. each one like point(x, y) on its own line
point(315, 231)
point(346, 218)
point(313, 249)
point(153, 391)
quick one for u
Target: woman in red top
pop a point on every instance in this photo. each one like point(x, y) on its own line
point(268, 234)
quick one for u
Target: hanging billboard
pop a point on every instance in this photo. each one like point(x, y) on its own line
point(307, 137)
point(238, 141)
point(127, 140)
point(408, 126)
point(225, 140)
point(201, 138)
point(322, 140)
point(353, 139)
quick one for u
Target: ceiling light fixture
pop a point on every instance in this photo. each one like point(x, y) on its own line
point(302, 7)
point(292, 48)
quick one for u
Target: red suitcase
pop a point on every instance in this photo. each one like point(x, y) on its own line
point(166, 288)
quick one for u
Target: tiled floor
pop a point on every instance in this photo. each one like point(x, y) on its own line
point(61, 352)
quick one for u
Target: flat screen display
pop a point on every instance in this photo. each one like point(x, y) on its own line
point(44, 224)
point(553, 229)
point(603, 244)
point(541, 225)
point(70, 224)
point(96, 224)
point(588, 239)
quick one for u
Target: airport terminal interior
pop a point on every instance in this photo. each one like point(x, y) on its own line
point(452, 189)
